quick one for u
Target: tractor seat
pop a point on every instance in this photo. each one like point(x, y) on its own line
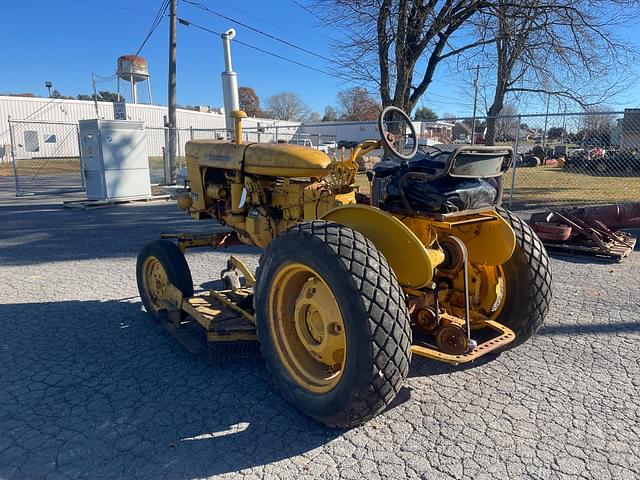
point(285, 160)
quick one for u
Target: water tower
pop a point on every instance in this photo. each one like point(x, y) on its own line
point(133, 69)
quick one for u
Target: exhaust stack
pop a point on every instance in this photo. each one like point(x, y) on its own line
point(229, 81)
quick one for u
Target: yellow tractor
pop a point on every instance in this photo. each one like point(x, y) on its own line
point(350, 284)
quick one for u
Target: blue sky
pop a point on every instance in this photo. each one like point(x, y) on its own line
point(64, 41)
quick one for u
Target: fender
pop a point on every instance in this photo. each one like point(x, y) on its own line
point(489, 243)
point(411, 261)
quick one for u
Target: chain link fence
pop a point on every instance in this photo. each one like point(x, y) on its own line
point(563, 159)
point(45, 157)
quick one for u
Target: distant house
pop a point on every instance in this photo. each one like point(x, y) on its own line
point(440, 132)
point(527, 133)
point(461, 131)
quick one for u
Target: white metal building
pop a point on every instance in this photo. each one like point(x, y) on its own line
point(340, 131)
point(51, 111)
point(359, 131)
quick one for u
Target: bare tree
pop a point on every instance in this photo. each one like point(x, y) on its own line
point(287, 106)
point(596, 127)
point(556, 48)
point(330, 114)
point(397, 45)
point(314, 117)
point(505, 124)
point(356, 104)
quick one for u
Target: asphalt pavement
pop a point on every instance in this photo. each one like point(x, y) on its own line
point(91, 388)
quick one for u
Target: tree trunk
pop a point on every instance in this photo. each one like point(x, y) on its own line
point(503, 73)
point(492, 118)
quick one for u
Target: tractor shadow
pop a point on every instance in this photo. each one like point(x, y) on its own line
point(425, 367)
point(96, 389)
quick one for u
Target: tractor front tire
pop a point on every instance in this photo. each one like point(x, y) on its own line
point(344, 358)
point(528, 282)
point(161, 262)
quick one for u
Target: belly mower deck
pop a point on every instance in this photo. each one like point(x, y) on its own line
point(227, 316)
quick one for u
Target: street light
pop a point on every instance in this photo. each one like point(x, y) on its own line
point(48, 84)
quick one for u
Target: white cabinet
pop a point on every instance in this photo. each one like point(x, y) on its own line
point(114, 159)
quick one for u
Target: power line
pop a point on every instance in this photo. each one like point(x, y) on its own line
point(100, 79)
point(308, 10)
point(156, 21)
point(233, 4)
point(188, 23)
point(334, 75)
point(257, 30)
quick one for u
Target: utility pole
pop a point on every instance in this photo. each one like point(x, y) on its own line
point(95, 94)
point(475, 102)
point(172, 92)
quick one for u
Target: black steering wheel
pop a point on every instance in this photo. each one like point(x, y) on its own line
point(393, 123)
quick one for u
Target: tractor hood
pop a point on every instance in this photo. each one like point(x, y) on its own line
point(270, 159)
point(285, 160)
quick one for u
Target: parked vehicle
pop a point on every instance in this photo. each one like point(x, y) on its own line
point(564, 150)
point(347, 144)
point(301, 141)
point(327, 147)
point(308, 143)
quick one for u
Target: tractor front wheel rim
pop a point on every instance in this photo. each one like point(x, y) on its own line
point(155, 281)
point(307, 327)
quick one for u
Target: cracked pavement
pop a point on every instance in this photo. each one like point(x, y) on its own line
point(92, 388)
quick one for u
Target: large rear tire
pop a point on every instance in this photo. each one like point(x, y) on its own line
point(528, 282)
point(342, 359)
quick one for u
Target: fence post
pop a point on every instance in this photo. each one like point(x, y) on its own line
point(276, 133)
point(515, 161)
point(177, 134)
point(191, 132)
point(84, 185)
point(13, 156)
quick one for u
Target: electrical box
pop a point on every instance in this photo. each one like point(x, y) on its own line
point(114, 159)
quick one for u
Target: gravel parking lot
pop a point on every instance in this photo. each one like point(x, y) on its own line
point(91, 388)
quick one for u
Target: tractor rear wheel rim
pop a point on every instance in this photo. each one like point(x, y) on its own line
point(307, 328)
point(155, 280)
point(493, 301)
